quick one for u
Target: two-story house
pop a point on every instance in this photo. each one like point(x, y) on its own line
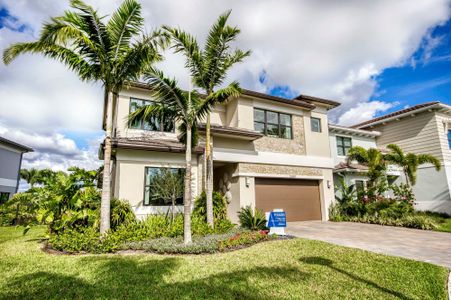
point(423, 128)
point(10, 162)
point(269, 152)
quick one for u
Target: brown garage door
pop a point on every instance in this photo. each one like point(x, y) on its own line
point(298, 198)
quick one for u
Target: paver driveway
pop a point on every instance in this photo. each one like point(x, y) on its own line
point(429, 246)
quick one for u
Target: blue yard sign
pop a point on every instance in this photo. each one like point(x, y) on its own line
point(277, 219)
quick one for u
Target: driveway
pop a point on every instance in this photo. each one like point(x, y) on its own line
point(429, 246)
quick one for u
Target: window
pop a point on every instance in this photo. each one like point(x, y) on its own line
point(343, 145)
point(449, 139)
point(152, 125)
point(3, 197)
point(360, 186)
point(162, 184)
point(315, 124)
point(272, 123)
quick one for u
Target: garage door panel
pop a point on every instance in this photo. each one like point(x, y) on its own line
point(298, 198)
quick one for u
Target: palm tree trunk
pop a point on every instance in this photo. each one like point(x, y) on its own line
point(407, 179)
point(173, 209)
point(105, 205)
point(209, 178)
point(187, 198)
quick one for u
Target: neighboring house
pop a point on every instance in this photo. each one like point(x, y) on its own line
point(423, 128)
point(341, 140)
point(10, 163)
point(269, 152)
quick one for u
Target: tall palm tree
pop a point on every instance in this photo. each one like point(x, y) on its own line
point(113, 53)
point(31, 176)
point(409, 162)
point(371, 158)
point(208, 68)
point(186, 109)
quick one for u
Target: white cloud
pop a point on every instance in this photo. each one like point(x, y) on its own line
point(331, 49)
point(54, 151)
point(364, 111)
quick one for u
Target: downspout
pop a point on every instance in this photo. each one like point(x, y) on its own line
point(18, 173)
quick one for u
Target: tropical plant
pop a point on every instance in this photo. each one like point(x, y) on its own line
point(167, 184)
point(409, 162)
point(19, 210)
point(403, 192)
point(184, 107)
point(31, 176)
point(345, 193)
point(208, 68)
point(219, 206)
point(113, 53)
point(373, 159)
point(250, 219)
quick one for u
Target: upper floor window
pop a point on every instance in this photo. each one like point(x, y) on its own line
point(272, 123)
point(154, 124)
point(315, 124)
point(343, 145)
point(449, 138)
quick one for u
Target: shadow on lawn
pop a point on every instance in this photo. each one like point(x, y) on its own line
point(133, 278)
point(328, 263)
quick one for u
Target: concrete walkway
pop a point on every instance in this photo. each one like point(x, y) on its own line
point(429, 246)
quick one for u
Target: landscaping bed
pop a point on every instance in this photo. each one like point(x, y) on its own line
point(289, 269)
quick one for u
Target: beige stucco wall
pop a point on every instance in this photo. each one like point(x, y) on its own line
point(317, 143)
point(130, 173)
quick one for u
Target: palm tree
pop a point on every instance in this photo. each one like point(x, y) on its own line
point(371, 158)
point(186, 109)
point(31, 176)
point(410, 162)
point(112, 53)
point(208, 68)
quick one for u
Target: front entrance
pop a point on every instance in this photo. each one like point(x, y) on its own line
point(299, 198)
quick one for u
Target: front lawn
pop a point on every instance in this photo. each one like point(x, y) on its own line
point(278, 269)
point(443, 221)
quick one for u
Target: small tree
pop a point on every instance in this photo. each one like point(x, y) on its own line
point(373, 159)
point(167, 185)
point(345, 193)
point(410, 162)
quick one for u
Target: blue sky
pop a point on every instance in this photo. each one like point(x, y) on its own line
point(421, 79)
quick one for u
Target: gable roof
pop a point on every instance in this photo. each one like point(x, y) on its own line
point(419, 107)
point(18, 146)
point(313, 100)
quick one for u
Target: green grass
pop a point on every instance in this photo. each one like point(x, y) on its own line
point(281, 269)
point(442, 220)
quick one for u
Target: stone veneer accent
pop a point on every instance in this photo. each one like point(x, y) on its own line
point(293, 146)
point(277, 169)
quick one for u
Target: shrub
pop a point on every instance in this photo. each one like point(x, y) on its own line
point(219, 206)
point(21, 209)
point(201, 244)
point(403, 192)
point(153, 227)
point(121, 213)
point(250, 219)
point(243, 239)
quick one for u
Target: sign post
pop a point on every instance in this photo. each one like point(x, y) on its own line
point(277, 221)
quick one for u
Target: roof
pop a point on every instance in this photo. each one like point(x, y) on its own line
point(353, 131)
point(151, 144)
point(412, 109)
point(345, 167)
point(10, 143)
point(294, 102)
point(313, 100)
point(238, 132)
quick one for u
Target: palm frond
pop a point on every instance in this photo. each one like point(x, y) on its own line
point(186, 44)
point(125, 22)
point(427, 158)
